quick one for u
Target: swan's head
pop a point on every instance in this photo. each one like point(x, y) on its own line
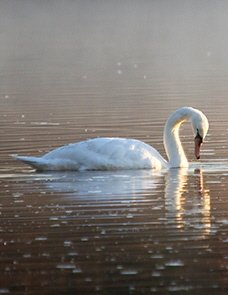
point(200, 127)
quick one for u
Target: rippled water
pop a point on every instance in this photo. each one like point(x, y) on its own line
point(76, 70)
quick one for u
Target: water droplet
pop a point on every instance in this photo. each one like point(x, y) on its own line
point(73, 254)
point(157, 256)
point(67, 243)
point(69, 211)
point(88, 280)
point(55, 225)
point(65, 266)
point(77, 270)
point(28, 255)
point(174, 263)
point(53, 218)
point(128, 272)
point(84, 239)
point(41, 238)
point(4, 291)
point(45, 254)
point(129, 215)
point(156, 274)
point(17, 195)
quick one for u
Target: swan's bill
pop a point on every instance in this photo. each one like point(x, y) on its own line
point(198, 142)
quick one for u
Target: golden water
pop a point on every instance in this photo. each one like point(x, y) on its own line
point(76, 70)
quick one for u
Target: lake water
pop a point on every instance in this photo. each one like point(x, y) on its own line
point(74, 70)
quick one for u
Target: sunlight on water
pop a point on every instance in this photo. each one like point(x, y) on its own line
point(113, 69)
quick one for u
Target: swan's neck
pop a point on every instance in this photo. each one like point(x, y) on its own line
point(172, 143)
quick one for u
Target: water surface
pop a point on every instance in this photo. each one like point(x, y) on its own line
point(76, 70)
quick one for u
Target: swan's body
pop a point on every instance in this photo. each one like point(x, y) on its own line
point(121, 153)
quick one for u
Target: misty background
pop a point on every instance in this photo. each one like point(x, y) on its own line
point(102, 40)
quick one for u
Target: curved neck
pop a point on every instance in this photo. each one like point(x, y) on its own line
point(172, 143)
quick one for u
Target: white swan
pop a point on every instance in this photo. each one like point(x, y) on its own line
point(121, 153)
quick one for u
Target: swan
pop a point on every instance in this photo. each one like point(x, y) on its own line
point(121, 153)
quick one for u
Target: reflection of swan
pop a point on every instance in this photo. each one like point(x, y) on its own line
point(119, 153)
point(176, 182)
point(205, 199)
point(187, 201)
point(195, 211)
point(105, 184)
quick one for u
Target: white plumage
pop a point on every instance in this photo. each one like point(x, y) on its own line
point(122, 153)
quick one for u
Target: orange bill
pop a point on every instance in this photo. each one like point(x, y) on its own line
point(198, 142)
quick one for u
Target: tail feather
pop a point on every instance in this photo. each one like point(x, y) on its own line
point(35, 162)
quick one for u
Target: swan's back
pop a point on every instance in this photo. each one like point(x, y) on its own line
point(121, 153)
point(101, 154)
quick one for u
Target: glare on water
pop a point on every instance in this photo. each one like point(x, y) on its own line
point(74, 70)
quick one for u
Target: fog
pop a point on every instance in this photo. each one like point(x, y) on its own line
point(94, 35)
